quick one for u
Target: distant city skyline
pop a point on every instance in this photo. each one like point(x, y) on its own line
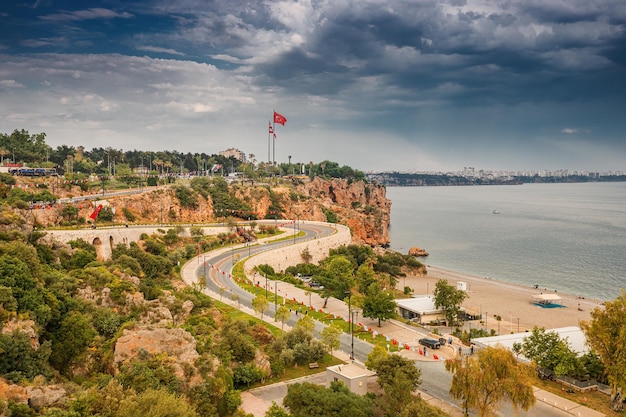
point(504, 172)
point(403, 85)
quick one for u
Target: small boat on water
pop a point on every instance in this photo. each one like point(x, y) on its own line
point(496, 212)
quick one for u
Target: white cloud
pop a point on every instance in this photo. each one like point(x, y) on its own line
point(10, 84)
point(159, 50)
point(87, 14)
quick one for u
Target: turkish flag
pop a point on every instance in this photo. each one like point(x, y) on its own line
point(280, 119)
point(95, 213)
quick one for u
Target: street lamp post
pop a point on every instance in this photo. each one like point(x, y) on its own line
point(275, 295)
point(355, 311)
point(350, 324)
point(205, 275)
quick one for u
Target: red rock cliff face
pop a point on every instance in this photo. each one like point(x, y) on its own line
point(363, 207)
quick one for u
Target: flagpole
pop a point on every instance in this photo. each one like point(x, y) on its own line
point(274, 137)
point(269, 135)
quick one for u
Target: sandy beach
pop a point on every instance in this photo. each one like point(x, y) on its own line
point(511, 302)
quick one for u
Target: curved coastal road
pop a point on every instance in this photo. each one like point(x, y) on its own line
point(217, 268)
point(435, 379)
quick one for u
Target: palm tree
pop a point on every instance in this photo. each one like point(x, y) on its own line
point(158, 163)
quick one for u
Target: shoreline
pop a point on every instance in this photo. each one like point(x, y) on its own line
point(490, 298)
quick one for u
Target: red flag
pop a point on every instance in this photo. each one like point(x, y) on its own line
point(95, 213)
point(280, 119)
point(271, 129)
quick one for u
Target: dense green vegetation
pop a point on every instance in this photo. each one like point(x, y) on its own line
point(76, 162)
point(68, 310)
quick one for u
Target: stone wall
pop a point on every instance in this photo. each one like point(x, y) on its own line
point(290, 253)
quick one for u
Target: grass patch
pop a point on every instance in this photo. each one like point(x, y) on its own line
point(593, 399)
point(300, 371)
point(237, 314)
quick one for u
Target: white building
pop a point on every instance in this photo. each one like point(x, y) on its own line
point(351, 374)
point(420, 309)
point(573, 335)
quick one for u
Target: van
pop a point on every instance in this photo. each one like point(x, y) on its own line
point(431, 343)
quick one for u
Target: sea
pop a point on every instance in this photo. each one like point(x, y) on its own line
point(565, 237)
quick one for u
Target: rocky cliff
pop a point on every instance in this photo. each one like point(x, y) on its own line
point(362, 207)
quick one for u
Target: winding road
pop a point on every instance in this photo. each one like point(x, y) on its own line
point(217, 267)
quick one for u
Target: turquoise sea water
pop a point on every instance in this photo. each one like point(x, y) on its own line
point(568, 237)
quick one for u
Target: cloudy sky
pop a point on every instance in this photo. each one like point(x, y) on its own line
point(426, 85)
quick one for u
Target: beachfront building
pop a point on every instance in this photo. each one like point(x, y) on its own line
point(572, 334)
point(420, 309)
point(351, 374)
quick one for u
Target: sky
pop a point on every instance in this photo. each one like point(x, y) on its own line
point(406, 85)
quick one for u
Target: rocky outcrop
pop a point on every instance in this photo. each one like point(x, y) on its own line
point(12, 392)
point(415, 251)
point(45, 396)
point(363, 207)
point(176, 343)
point(22, 326)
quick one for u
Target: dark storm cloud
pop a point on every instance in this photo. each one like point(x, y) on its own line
point(533, 51)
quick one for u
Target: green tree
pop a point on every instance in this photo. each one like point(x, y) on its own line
point(70, 340)
point(259, 303)
point(155, 403)
point(449, 299)
point(276, 410)
point(237, 340)
point(311, 400)
point(492, 376)
point(216, 396)
point(19, 360)
point(419, 407)
point(377, 354)
point(282, 315)
point(149, 372)
point(331, 337)
point(306, 324)
point(8, 303)
point(336, 278)
point(398, 377)
point(549, 351)
point(606, 335)
point(466, 370)
point(379, 304)
point(305, 255)
point(99, 401)
point(246, 374)
point(365, 277)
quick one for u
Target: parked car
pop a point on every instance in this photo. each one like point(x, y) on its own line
point(431, 343)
